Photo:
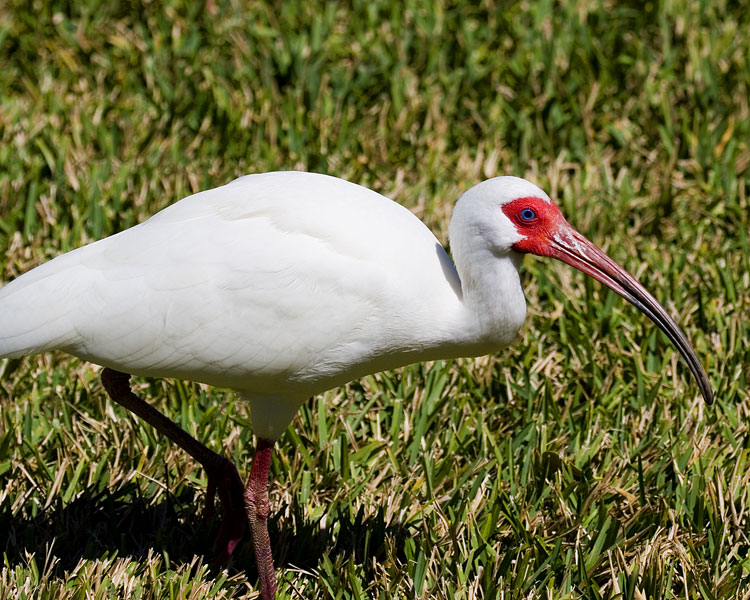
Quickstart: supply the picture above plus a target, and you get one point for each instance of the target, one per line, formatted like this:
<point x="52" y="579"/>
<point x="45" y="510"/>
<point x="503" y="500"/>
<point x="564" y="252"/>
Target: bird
<point x="283" y="285"/>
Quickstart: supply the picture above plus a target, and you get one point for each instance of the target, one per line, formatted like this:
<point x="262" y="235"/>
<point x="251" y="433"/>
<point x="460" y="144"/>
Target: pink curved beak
<point x="568" y="245"/>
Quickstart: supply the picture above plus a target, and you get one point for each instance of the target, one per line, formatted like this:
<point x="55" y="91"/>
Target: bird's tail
<point x="36" y="310"/>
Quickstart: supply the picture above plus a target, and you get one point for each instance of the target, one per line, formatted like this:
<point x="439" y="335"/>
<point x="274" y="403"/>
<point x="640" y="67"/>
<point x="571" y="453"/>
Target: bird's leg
<point x="222" y="474"/>
<point x="257" y="507"/>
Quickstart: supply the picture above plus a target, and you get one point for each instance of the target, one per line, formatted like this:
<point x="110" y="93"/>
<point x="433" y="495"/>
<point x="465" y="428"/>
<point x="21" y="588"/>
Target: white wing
<point x="271" y="283"/>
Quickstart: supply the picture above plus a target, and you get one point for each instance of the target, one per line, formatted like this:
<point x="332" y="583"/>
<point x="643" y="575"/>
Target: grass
<point x="580" y="463"/>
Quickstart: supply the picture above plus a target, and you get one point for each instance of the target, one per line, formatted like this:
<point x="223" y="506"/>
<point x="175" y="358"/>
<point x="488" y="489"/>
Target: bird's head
<point x="526" y="221"/>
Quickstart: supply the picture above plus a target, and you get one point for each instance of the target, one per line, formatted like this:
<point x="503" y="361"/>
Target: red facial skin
<point x="539" y="231"/>
<point x="549" y="234"/>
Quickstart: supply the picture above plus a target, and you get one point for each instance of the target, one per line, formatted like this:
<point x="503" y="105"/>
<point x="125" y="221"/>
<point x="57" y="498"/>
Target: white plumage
<point x="278" y="285"/>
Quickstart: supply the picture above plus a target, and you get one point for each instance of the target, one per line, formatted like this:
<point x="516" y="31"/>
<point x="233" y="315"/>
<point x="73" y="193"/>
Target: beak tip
<point x="708" y="396"/>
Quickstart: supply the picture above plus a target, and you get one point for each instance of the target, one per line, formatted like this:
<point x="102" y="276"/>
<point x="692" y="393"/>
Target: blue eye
<point x="528" y="214"/>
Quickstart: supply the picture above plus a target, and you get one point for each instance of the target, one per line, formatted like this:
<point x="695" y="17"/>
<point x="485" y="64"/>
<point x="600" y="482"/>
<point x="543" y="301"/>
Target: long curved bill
<point x="574" y="249"/>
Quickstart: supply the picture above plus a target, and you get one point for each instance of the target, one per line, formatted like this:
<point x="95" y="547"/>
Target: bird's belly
<point x="298" y="365"/>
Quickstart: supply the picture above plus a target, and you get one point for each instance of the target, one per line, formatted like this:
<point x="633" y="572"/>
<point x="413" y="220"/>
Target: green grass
<point x="580" y="463"/>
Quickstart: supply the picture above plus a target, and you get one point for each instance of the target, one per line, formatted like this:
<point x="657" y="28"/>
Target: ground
<point x="579" y="463"/>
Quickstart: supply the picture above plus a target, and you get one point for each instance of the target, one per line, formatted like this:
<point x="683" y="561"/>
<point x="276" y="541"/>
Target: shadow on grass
<point x="106" y="522"/>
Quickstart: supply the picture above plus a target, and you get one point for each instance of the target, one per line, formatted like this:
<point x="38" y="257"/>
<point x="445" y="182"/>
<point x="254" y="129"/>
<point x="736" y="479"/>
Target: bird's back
<point x="280" y="279"/>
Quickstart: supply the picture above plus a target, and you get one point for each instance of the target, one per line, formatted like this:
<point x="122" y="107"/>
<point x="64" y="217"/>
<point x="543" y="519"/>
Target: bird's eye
<point x="528" y="214"/>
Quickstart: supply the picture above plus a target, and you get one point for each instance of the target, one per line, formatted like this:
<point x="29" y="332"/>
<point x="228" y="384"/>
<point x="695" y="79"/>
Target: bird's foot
<point x="224" y="479"/>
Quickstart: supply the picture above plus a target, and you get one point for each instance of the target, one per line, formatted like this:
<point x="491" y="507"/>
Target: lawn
<point x="578" y="463"/>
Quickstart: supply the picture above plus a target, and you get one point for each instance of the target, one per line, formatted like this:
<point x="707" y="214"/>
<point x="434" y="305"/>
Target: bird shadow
<point x="98" y="522"/>
<point x="122" y="522"/>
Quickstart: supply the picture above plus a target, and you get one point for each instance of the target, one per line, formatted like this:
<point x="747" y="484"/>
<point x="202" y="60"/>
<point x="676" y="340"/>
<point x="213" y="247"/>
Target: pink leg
<point x="222" y="474"/>
<point x="257" y="506"/>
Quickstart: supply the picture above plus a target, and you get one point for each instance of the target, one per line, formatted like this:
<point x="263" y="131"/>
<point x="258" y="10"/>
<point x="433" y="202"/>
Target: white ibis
<point x="283" y="285"/>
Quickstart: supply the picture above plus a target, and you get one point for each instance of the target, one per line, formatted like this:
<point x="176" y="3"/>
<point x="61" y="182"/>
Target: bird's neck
<point x="492" y="295"/>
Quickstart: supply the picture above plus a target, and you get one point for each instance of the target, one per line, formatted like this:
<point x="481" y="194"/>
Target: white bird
<point x="283" y="285"/>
